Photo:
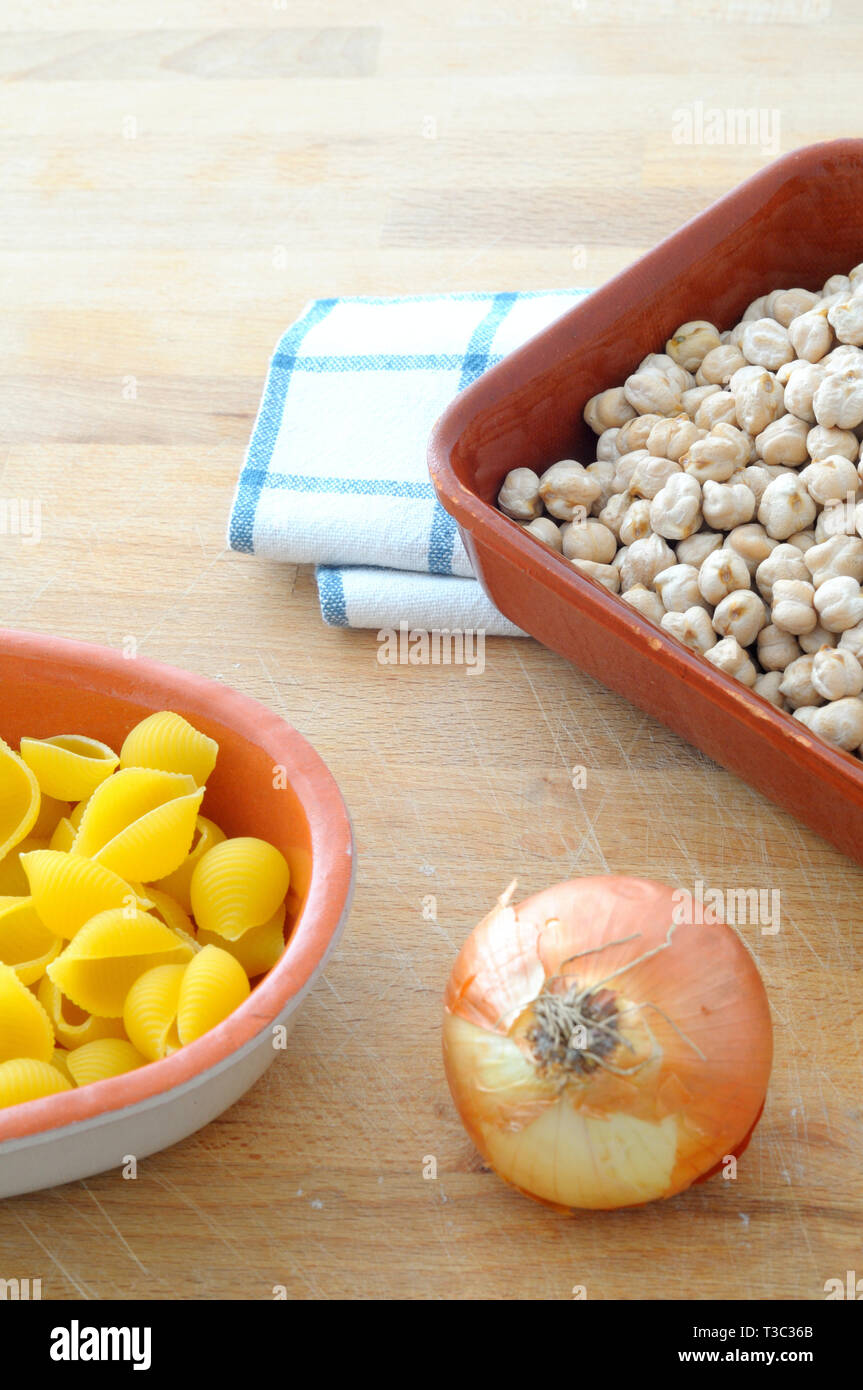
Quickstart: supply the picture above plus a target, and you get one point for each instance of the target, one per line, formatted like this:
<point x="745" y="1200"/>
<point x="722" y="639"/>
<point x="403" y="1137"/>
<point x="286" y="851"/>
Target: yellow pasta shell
<point x="238" y="884"/>
<point x="68" y="891"/>
<point x="63" y="837"/>
<point x="150" y="1011"/>
<point x="105" y="958"/>
<point x="25" y="1078"/>
<point x="167" y="741"/>
<point x="76" y="814"/>
<point x="213" y="985"/>
<point x="19" y="799"/>
<point x="25" y="942"/>
<point x="257" y="949"/>
<point x="25" y="1029"/>
<point x="68" y="766"/>
<point x="140" y="823"/>
<point x="179" y="883"/>
<point x="96" y="1061"/>
<point x="73" y="1026"/>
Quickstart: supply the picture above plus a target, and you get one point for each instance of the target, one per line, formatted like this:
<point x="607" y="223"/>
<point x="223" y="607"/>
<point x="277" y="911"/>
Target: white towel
<point x="336" y="473"/>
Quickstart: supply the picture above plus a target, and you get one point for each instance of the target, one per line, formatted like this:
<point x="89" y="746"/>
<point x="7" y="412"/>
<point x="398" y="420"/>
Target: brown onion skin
<point x="726" y="1003"/>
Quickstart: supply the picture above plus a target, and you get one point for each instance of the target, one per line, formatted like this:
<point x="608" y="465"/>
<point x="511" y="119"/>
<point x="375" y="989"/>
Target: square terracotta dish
<point x="51" y="686"/>
<point x="795" y="223"/>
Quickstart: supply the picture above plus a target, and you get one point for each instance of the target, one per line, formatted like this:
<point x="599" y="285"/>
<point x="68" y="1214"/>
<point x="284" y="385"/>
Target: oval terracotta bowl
<point x="51" y="686"/>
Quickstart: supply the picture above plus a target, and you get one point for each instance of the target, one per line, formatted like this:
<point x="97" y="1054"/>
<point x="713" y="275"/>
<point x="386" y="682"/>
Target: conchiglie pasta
<point x="105" y="958"/>
<point x="26" y="1078"/>
<point x="168" y="742"/>
<point x="25" y="1029"/>
<point x="73" y="1027"/>
<point x="140" y="823"/>
<point x="150" y="1011"/>
<point x="68" y="766"/>
<point x="97" y="1061"/>
<point x="213" y="985"/>
<point x="68" y="891"/>
<point x="257" y="949"/>
<point x="19" y="799"/>
<point x="237" y="885"/>
<point x="25" y="942"/>
<point x="129" y="924"/>
<point x="179" y="883"/>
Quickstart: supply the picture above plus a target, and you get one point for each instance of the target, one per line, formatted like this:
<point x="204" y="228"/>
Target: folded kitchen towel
<point x="336" y="475"/>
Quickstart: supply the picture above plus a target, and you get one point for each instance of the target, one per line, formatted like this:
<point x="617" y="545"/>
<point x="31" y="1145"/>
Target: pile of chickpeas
<point x="725" y="502"/>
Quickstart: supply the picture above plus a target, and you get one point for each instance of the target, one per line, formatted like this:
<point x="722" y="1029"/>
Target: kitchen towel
<point x="336" y="475"/>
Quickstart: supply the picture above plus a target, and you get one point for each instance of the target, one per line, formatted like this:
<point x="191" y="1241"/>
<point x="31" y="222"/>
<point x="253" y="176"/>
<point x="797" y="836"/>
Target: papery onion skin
<point x="598" y="1139"/>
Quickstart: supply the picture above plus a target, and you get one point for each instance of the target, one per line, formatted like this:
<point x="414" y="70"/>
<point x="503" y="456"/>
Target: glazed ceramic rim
<point x="316" y="930"/>
<point x="507" y="539"/>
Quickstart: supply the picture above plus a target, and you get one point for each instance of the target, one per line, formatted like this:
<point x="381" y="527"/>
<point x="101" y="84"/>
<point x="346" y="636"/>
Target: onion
<point x="601" y="1053"/>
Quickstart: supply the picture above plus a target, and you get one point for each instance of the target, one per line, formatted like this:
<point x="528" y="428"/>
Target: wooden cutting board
<point x="177" y="182"/>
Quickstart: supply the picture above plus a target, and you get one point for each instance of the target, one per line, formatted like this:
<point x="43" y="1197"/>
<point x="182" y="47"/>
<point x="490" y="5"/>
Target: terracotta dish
<point x="50" y="686"/>
<point x="794" y="224"/>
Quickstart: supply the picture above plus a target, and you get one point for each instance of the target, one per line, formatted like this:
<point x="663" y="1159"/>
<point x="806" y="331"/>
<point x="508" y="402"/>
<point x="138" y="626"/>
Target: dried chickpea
<point x="784" y="562"/>
<point x="846" y="319"/>
<point x="718" y="408"/>
<point x="603" y="470"/>
<point x="837" y="284"/>
<point x="765" y="343"/>
<point x="729" y="656"/>
<point x="719" y="365"/>
<point x="519" y="495"/>
<point x="670" y="438"/>
<point x="767" y="686"/>
<point x="692" y="400"/>
<point x="752" y="543"/>
<point x="836" y="673"/>
<point x="694" y="550"/>
<point x="785" y="507"/>
<point x="635" y="433"/>
<point x="776" y="649"/>
<point x="567" y="486"/>
<point x="608" y="409"/>
<point x="796" y="684"/>
<point x="804" y="540"/>
<point x="756" y="310"/>
<point x="803" y="382"/>
<point x="650" y="392"/>
<point x="793" y="607"/>
<point x="722" y="573"/>
<point x="650" y="475"/>
<point x="840" y="722"/>
<point x="647" y="603"/>
<point x="644" y="560"/>
<point x="726" y="505"/>
<point x="852" y="640"/>
<point x="546" y="531"/>
<point x="606" y="446"/>
<point x="756" y="478"/>
<point x="784" y="442"/>
<point x="720" y="453"/>
<point x="838" y="400"/>
<point x="606" y="575"/>
<point x="693" y="628"/>
<point x="667" y="367"/>
<point x="811" y="335"/>
<point x="691" y="343"/>
<point x="675" y="511"/>
<point x="614" y="511"/>
<point x="822" y="442"/>
<point x="677" y="586"/>
<point x="588" y="540"/>
<point x="816" y="639"/>
<point x="787" y="305"/>
<point x="740" y="614"/>
<point x="836" y="556"/>
<point x="839" y="603"/>
<point x="759" y="398"/>
<point x="636" y="524"/>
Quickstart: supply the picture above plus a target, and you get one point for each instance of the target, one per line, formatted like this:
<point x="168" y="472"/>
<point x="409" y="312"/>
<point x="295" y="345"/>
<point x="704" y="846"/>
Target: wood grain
<point x="177" y="182"/>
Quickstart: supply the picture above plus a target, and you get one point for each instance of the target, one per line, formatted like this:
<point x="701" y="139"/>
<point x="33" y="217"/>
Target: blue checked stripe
<point x="253" y="476"/>
<point x="331" y="592"/>
<point x="476" y="360"/>
<point x="356" y="487"/>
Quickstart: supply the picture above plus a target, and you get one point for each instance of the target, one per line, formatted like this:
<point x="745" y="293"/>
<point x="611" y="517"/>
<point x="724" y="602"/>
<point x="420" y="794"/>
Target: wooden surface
<point x="178" y="179"/>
